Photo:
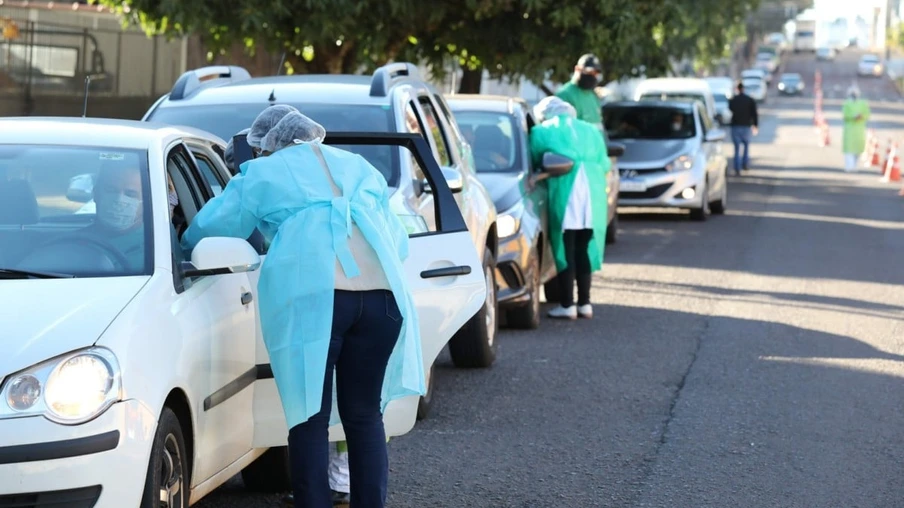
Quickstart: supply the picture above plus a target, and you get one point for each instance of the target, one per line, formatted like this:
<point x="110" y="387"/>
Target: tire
<point x="167" y="482"/>
<point x="612" y="230"/>
<point x="718" y="206"/>
<point x="702" y="213"/>
<point x="474" y="346"/>
<point x="270" y="472"/>
<point x="425" y="403"/>
<point x="527" y="317"/>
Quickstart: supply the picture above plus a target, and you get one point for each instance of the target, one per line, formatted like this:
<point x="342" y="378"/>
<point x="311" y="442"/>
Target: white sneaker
<point x="564" y="312"/>
<point x="585" y="311"/>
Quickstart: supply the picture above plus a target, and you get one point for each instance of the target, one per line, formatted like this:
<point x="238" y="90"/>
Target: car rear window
<point x="227" y="119"/>
<point x="648" y="122"/>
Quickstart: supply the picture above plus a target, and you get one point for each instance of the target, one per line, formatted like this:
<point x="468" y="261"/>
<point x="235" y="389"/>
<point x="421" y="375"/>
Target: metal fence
<point x="46" y="51"/>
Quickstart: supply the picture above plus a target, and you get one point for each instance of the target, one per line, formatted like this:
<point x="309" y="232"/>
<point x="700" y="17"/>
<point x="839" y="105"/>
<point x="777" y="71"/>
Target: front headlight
<point x="781" y="86"/>
<point x="509" y="222"/>
<point x="683" y="163"/>
<point x="71" y="389"/>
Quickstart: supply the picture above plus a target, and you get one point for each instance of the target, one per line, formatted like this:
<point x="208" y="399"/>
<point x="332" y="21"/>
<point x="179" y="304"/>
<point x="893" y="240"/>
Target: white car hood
<point x="55" y="316"/>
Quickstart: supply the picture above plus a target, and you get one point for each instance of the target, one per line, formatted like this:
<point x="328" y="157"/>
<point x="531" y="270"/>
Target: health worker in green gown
<point x="855" y="113"/>
<point x="578" y="208"/>
<point x="579" y="92"/>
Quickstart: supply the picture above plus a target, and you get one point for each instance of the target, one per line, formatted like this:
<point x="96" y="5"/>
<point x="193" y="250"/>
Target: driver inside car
<point x="119" y="218"/>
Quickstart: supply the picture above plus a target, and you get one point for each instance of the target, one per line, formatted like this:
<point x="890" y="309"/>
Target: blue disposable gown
<point x="289" y="193"/>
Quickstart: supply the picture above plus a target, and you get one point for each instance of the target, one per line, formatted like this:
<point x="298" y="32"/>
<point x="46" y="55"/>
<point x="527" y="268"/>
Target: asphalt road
<point x="754" y="360"/>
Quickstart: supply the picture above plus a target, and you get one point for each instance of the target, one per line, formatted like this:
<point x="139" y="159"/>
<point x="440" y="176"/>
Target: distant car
<point x="768" y="61"/>
<point x="825" y="53"/>
<point x="722" y="88"/>
<point x="791" y="84"/>
<point x="869" y="65"/>
<point x="673" y="156"/>
<point x="755" y="88"/>
<point x="756" y="72"/>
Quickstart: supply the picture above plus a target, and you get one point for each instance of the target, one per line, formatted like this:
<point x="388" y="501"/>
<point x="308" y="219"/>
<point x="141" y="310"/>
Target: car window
<point x="455" y="136"/>
<point x="435" y="130"/>
<point x="413" y="126"/>
<point x="226" y="120"/>
<point x="648" y="122"/>
<point x="208" y="169"/>
<point x="493" y="139"/>
<point x="50" y="222"/>
<point x="705" y="120"/>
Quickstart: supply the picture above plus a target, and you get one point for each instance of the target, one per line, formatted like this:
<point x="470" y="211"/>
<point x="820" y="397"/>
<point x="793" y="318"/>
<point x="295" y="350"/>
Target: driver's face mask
<point x="118" y="211"/>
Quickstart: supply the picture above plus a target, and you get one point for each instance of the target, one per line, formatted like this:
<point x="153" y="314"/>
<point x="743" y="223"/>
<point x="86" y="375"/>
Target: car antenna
<point x="87" y="88"/>
<point x="282" y="64"/>
<point x="272" y="97"/>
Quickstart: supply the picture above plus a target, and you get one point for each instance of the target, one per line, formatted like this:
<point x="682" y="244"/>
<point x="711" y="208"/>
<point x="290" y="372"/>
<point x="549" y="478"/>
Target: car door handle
<point x="449" y="271"/>
<point x="247" y="297"/>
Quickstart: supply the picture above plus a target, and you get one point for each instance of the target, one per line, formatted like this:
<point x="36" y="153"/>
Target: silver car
<point x="673" y="156"/>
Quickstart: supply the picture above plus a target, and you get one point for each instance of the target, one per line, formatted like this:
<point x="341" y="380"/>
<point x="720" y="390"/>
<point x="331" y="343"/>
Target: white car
<point x="825" y="53"/>
<point x="869" y="65"/>
<point x="755" y="88"/>
<point x="130" y="376"/>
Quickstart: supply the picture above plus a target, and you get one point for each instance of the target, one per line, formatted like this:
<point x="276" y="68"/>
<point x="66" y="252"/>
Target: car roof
<point x="655" y="104"/>
<point x="106" y="132"/>
<point x="673" y="84"/>
<point x="477" y="102"/>
<point x="219" y="85"/>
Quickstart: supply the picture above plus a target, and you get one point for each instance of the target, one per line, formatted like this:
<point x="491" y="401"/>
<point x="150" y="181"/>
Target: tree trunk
<point x="470" y="80"/>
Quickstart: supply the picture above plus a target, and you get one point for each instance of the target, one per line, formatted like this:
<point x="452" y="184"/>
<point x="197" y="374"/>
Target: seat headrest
<point x="18" y="204"/>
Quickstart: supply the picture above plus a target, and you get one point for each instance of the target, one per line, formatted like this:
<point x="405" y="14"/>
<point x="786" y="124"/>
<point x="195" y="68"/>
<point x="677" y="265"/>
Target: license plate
<point x="631" y="186"/>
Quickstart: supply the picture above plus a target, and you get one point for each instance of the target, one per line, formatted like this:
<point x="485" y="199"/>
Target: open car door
<point x="444" y="274"/>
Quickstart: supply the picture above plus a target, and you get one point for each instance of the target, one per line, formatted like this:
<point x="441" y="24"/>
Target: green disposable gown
<point x="854" y="133"/>
<point x="584" y="144"/>
<point x="585" y="102"/>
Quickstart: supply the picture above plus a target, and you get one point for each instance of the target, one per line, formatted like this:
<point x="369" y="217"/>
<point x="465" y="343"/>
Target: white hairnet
<point x="553" y="106"/>
<point x="266" y="121"/>
<point x="294" y="128"/>
<point x="229" y="154"/>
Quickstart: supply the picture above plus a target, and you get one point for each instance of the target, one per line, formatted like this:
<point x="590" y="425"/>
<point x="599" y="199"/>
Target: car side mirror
<point x="454" y="179"/>
<point x="81" y="188"/>
<point x="221" y="256"/>
<point x="615" y="149"/>
<point x="715" y="135"/>
<point x="556" y="165"/>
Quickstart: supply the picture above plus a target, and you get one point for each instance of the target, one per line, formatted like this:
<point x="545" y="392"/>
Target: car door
<point x="538" y="192"/>
<point x="216" y="315"/>
<point x="444" y="275"/>
<point x="422" y="201"/>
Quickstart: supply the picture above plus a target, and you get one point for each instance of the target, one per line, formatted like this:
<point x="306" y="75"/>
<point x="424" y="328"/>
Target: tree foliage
<point x="536" y="39"/>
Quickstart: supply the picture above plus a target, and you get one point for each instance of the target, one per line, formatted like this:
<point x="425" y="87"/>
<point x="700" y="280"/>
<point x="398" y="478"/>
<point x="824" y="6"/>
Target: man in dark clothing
<point x="744" y="123"/>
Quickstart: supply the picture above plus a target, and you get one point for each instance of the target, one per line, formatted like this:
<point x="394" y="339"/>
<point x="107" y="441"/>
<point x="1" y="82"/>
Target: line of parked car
<point x="152" y="365"/>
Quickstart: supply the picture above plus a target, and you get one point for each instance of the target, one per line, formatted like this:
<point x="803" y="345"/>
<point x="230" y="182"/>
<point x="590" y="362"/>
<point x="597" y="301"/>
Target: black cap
<point x="590" y="61"/>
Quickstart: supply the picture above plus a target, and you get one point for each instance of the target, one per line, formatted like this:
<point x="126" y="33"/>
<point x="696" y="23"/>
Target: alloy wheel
<point x="490" y="304"/>
<point x="171" y="475"/>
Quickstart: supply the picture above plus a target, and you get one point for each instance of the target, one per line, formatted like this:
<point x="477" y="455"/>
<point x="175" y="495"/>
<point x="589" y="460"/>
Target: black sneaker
<point x="341" y="498"/>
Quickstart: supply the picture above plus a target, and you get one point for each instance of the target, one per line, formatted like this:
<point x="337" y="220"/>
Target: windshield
<point x="869" y="59"/>
<point x="648" y="122"/>
<point x="752" y="85"/>
<point x="493" y="140"/>
<point x="226" y="120"/>
<point x="790" y="78"/>
<point x="49" y="221"/>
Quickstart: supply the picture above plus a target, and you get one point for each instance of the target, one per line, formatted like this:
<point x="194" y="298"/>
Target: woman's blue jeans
<point x="366" y="326"/>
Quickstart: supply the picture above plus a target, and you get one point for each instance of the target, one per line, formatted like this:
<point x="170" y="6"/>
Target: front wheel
<point x="527" y="317"/>
<point x="167" y="482"/>
<point x="718" y="206"/>
<point x="474" y="346"/>
<point x="702" y="213"/>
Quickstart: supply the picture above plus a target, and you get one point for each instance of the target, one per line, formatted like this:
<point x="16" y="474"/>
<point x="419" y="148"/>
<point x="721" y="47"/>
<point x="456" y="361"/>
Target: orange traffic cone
<point x="892" y="170"/>
<point x="874" y="160"/>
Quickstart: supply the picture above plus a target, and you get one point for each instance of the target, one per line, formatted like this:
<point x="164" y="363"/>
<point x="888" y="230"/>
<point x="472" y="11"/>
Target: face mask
<point x="119" y="212"/>
<point x="173" y="199"/>
<point x="587" y="81"/>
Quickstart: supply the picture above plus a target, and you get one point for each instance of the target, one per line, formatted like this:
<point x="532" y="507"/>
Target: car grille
<point x="630" y="173"/>
<point x="74" y="498"/>
<point x="651" y="193"/>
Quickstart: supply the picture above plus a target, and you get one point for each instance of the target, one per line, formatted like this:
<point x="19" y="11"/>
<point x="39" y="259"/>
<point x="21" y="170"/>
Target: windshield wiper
<point x="10" y="273"/>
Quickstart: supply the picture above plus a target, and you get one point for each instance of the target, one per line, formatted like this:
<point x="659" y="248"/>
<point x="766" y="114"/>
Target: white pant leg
<point x="338" y="470"/>
<point x="850" y="162"/>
